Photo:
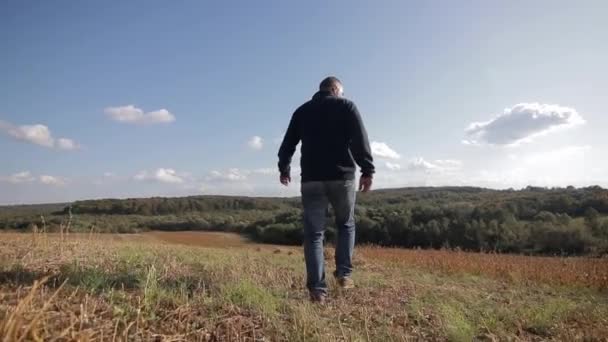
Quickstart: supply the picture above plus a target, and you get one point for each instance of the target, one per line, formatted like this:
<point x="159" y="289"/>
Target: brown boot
<point x="346" y="283"/>
<point x="318" y="297"/>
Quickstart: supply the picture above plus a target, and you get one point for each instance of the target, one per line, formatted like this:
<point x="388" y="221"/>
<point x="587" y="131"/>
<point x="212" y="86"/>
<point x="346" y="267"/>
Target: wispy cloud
<point x="242" y="174"/>
<point x="38" y="135"/>
<point x="266" y="171"/>
<point x="27" y="177"/>
<point x="420" y="164"/>
<point x="256" y="143"/>
<point x="393" y="166"/>
<point x="52" y="180"/>
<point x="161" y="175"/>
<point x="134" y="115"/>
<point x="230" y="175"/>
<point x="448" y="164"/>
<point x="521" y="123"/>
<point x="439" y="165"/>
<point x="20" y="177"/>
<point x="66" y="144"/>
<point x="382" y="150"/>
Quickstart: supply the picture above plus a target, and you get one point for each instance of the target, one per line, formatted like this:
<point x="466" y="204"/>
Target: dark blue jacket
<point x="333" y="140"/>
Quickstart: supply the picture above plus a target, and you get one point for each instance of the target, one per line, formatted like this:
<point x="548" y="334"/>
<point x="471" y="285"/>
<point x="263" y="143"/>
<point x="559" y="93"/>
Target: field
<point x="175" y="286"/>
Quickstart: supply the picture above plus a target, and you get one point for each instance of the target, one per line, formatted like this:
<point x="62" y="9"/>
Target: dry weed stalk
<point x="64" y="230"/>
<point x="91" y="232"/>
<point x="43" y="223"/>
<point x="13" y="327"/>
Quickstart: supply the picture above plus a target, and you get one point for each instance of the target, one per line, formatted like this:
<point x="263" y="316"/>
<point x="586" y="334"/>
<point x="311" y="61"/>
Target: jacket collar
<point x="321" y="94"/>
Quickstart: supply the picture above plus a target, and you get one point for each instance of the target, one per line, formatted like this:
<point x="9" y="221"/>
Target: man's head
<point x="333" y="85"/>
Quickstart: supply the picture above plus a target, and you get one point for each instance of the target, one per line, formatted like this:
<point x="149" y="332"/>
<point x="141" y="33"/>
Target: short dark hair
<point x="329" y="82"/>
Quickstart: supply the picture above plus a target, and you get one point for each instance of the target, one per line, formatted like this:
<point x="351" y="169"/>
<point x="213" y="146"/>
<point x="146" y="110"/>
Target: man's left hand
<point x="285" y="180"/>
<point x="365" y="183"/>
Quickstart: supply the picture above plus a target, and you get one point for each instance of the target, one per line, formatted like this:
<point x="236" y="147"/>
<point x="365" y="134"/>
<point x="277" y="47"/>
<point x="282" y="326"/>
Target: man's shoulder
<point x="348" y="106"/>
<point x="302" y="108"/>
<point x="330" y="101"/>
<point x="341" y="102"/>
<point x="347" y="102"/>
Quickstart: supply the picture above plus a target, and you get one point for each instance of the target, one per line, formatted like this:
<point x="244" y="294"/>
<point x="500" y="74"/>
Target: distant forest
<point x="557" y="221"/>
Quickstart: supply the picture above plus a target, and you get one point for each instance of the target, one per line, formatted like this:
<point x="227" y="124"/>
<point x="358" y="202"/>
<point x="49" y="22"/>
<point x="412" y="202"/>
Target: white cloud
<point x="142" y="175"/>
<point x="132" y="114"/>
<point x="382" y="150"/>
<point x="420" y="164"/>
<point x="51" y="180"/>
<point x="256" y="143"/>
<point x="521" y="123"/>
<point x="231" y="175"/>
<point x="37" y="134"/>
<point x="167" y="176"/>
<point x="393" y="166"/>
<point x="160" y="175"/>
<point x="20" y="177"/>
<point x="28" y="177"/>
<point x="448" y="164"/>
<point x="66" y="144"/>
<point x="439" y="165"/>
<point x="266" y="171"/>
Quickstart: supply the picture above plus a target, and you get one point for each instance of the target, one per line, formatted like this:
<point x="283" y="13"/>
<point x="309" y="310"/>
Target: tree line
<point x="566" y="221"/>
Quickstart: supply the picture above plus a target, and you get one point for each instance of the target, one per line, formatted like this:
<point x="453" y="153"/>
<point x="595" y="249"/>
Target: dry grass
<point x="570" y="271"/>
<point x="208" y="239"/>
<point x="144" y="287"/>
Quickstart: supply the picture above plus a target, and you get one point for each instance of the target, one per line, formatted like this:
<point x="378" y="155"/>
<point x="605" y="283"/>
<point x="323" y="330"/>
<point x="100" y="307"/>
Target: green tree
<point x="397" y="225"/>
<point x="592" y="219"/>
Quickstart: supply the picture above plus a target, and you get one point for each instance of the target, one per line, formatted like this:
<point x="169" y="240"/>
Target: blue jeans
<point x="315" y="198"/>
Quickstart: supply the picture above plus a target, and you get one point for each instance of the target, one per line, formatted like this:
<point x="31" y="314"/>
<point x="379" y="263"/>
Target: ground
<point x="174" y="286"/>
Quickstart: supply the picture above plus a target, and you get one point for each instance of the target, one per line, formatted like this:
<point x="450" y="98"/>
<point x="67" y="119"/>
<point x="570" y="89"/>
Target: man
<point x="333" y="140"/>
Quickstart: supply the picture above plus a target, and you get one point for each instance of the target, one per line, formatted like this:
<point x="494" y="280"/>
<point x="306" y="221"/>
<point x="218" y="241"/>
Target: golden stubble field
<point x="176" y="286"/>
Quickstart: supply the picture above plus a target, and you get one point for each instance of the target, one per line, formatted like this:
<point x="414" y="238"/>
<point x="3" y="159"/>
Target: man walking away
<point x="333" y="140"/>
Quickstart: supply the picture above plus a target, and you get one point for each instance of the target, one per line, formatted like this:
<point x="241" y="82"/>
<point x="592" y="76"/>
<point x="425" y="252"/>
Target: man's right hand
<point x="365" y="183"/>
<point x="285" y="180"/>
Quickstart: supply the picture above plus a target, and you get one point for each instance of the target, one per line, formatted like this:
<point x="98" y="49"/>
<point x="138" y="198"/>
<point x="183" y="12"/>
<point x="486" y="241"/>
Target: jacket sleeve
<point x="288" y="147"/>
<point x="359" y="145"/>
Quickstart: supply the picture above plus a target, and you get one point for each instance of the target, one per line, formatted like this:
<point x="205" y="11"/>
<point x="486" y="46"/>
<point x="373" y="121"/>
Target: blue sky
<point x="145" y="98"/>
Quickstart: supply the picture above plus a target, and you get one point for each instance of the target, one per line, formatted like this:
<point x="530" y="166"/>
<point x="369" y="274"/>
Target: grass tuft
<point x="248" y="295"/>
<point x="456" y="324"/>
